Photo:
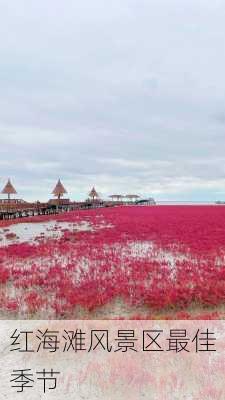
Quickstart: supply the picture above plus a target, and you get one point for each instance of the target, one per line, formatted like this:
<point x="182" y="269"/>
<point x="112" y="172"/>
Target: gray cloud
<point x="127" y="97"/>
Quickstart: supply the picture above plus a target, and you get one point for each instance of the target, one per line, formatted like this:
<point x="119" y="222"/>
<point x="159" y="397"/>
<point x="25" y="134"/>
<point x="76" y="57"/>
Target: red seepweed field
<point x="164" y="262"/>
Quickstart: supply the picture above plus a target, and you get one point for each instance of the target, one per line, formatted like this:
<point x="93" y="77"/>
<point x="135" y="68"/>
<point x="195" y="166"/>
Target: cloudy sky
<point x="127" y="95"/>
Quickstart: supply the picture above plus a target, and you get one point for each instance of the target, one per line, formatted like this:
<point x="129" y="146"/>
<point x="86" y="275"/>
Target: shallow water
<point x="31" y="231"/>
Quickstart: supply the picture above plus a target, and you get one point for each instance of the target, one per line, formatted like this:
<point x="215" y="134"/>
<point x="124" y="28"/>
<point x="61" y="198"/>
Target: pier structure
<point x="11" y="208"/>
<point x="131" y="197"/>
<point x="116" y="197"/>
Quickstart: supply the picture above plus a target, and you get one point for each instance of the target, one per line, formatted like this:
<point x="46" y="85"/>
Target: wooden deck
<point x="11" y="211"/>
<point x="19" y="210"/>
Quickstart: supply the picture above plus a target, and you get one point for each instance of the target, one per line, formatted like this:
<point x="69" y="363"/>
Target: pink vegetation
<point x="168" y="259"/>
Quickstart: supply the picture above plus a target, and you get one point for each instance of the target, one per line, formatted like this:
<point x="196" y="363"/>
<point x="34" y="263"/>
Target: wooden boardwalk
<point x="25" y="210"/>
<point x="11" y="211"/>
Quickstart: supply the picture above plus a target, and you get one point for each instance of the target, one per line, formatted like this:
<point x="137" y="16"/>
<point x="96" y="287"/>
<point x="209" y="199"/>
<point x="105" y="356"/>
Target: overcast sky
<point x="126" y="95"/>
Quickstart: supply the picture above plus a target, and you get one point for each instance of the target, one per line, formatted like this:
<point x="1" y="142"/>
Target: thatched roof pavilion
<point x="9" y="189"/>
<point x="93" y="194"/>
<point x="132" y="196"/>
<point x="117" y="197"/>
<point x="59" y="190"/>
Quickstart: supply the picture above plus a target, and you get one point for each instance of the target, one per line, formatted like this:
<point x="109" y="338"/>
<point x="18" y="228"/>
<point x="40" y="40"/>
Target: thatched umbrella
<point x="59" y="190"/>
<point x="9" y="189"/>
<point x="93" y="194"/>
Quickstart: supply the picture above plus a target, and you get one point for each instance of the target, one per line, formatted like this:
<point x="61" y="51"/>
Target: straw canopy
<point x="9" y="188"/>
<point x="93" y="194"/>
<point x="59" y="189"/>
